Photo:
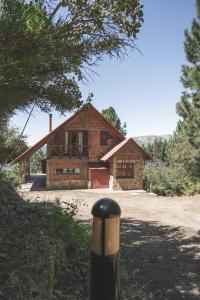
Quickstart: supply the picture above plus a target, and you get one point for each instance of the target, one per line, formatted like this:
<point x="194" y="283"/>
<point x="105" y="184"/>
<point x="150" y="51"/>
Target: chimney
<point x="50" y="122"/>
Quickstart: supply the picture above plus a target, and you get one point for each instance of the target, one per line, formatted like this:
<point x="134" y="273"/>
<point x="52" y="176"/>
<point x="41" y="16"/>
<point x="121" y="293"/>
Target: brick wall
<point x="127" y="155"/>
<point x="94" y="144"/>
<point x="66" y="181"/>
<point x="85" y="121"/>
<point x="130" y="183"/>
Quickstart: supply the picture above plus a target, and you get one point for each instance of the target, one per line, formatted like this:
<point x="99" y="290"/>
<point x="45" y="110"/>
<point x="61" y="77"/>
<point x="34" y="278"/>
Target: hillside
<point x="149" y="139"/>
<point x="44" y="250"/>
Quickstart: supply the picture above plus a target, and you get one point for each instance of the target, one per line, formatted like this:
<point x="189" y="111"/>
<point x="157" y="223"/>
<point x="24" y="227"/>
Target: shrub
<point x="44" y="252"/>
<point x="172" y="180"/>
<point x="15" y="175"/>
<point x="193" y="188"/>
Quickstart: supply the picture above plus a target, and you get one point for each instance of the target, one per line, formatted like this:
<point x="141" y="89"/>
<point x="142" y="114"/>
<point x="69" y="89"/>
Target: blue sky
<point x="143" y="88"/>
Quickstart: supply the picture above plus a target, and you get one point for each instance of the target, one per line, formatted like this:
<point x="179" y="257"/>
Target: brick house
<point x="86" y="151"/>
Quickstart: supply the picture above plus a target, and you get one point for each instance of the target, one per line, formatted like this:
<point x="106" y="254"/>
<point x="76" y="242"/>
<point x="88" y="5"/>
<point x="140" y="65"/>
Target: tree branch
<point x="56" y="9"/>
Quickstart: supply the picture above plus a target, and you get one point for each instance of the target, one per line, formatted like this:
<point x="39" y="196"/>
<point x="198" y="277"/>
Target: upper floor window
<point x="104" y="137"/>
<point x="125" y="170"/>
<point x="76" y="138"/>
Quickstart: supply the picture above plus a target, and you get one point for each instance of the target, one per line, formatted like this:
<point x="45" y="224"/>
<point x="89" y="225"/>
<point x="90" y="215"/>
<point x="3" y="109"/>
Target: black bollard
<point x="105" y="276"/>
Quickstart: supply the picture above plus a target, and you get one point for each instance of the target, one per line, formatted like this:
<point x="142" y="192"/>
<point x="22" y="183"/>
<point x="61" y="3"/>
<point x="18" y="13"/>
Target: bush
<point x="193" y="188"/>
<point x="44" y="251"/>
<point x="172" y="180"/>
<point x="2" y="176"/>
<point x="15" y="175"/>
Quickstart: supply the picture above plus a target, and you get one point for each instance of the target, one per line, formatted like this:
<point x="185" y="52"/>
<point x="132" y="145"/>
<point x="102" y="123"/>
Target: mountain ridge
<point x="149" y="139"/>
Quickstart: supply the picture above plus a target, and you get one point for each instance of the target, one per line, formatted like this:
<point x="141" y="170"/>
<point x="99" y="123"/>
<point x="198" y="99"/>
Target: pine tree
<point x="189" y="106"/>
<point x="158" y="150"/>
<point x="111" y="115"/>
<point x="48" y="46"/>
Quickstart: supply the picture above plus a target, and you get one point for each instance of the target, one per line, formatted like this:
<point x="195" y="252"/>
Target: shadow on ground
<point x="39" y="182"/>
<point x="160" y="261"/>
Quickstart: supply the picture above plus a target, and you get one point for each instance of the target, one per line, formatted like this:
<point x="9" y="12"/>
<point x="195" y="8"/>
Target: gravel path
<point x="138" y="205"/>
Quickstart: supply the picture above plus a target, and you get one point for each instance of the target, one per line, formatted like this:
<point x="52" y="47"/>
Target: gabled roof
<point x="114" y="150"/>
<point x="116" y="133"/>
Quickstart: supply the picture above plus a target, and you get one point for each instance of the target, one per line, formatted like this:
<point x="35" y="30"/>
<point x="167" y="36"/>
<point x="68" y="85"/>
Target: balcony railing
<point x="68" y="151"/>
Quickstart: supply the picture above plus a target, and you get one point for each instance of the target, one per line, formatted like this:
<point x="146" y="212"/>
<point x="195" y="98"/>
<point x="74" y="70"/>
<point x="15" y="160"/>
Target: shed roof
<point x="114" y="150"/>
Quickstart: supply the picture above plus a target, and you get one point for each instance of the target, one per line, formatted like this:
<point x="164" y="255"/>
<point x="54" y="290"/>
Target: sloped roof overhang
<point x="44" y="140"/>
<point x="114" y="150"/>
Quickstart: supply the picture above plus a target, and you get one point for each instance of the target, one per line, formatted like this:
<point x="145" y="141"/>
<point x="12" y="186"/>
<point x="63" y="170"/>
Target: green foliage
<point x="181" y="173"/>
<point x="178" y="173"/>
<point x="43" y="55"/>
<point x="158" y="150"/>
<point x="189" y="106"/>
<point x="14" y="177"/>
<point x="3" y="176"/>
<point x="111" y="115"/>
<point x="36" y="161"/>
<point x="44" y="251"/>
<point x="170" y="180"/>
<point x="193" y="188"/>
<point x="10" y="144"/>
<point x="166" y="180"/>
<point x="182" y="152"/>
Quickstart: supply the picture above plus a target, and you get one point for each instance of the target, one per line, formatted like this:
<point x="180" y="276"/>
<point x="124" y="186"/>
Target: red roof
<point x="43" y="141"/>
<point x="114" y="150"/>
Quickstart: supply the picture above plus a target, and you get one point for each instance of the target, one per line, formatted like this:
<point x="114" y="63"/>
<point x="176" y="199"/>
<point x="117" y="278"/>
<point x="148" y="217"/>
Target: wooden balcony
<point x="67" y="151"/>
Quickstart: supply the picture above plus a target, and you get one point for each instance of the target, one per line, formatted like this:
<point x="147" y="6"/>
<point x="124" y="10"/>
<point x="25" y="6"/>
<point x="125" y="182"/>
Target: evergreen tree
<point x="189" y="106"/>
<point x="182" y="153"/>
<point x="36" y="161"/>
<point x="158" y="150"/>
<point x="111" y="115"/>
<point x="11" y="144"/>
<point x="45" y="53"/>
<point x="181" y="173"/>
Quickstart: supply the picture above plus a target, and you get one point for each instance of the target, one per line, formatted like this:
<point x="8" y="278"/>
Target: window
<point x="68" y="171"/>
<point x="104" y="137"/>
<point x="125" y="170"/>
<point x="59" y="171"/>
<point x="76" y="142"/>
<point x="77" y="171"/>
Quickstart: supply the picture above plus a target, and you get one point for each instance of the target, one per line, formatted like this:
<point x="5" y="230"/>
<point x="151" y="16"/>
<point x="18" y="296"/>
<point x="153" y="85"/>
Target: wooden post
<point x="50" y="122"/>
<point x="105" y="276"/>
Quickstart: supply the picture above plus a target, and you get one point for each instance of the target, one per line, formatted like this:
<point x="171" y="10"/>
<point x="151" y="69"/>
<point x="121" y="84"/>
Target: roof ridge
<point x="108" y="123"/>
<point x="43" y="141"/>
<point x="115" y="149"/>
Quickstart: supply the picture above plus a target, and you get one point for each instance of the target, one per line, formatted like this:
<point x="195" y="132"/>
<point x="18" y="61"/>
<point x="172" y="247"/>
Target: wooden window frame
<point x="104" y="137"/>
<point x="125" y="170"/>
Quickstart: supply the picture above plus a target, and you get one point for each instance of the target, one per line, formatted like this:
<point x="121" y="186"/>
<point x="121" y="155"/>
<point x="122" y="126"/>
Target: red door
<point x="99" y="178"/>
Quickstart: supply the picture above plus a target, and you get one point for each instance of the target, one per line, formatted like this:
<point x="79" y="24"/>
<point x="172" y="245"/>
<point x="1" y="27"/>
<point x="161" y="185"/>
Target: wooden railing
<point x="67" y="150"/>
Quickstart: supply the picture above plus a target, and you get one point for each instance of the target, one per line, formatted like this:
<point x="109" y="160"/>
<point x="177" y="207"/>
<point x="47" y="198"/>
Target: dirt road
<point x="138" y="205"/>
<point x="160" y="238"/>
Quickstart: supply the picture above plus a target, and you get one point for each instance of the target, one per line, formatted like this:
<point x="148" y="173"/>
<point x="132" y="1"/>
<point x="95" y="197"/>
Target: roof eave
<point x="44" y="140"/>
<point x="145" y="155"/>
